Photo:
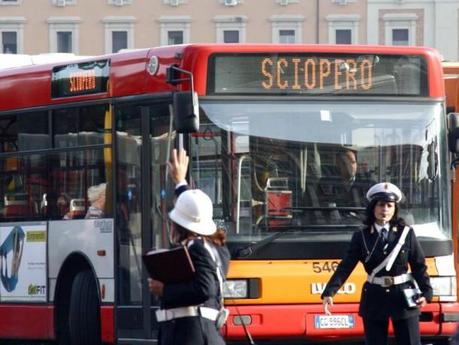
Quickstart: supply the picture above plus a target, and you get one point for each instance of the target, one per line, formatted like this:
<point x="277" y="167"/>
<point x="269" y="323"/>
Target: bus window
<point x="211" y="170"/>
<point x="74" y="171"/>
<point x="306" y="168"/>
<point x="128" y="211"/>
<point x="130" y="191"/>
<point x="23" y="187"/>
<point x="23" y="179"/>
<point x="162" y="187"/>
<point x="80" y="126"/>
<point x="16" y="205"/>
<point x="22" y="132"/>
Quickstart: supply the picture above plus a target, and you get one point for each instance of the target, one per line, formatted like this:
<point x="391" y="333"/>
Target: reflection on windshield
<point x="306" y="166"/>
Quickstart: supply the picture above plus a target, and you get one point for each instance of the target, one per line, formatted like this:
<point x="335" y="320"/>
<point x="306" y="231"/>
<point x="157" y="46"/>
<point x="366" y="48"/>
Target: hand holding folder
<point x="169" y="265"/>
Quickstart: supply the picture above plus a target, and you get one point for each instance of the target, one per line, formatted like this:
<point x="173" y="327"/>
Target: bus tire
<point x="84" y="311"/>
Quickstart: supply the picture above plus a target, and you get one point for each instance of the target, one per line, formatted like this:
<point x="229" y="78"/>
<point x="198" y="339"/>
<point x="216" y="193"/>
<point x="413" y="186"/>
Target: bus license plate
<point x="334" y="321"/>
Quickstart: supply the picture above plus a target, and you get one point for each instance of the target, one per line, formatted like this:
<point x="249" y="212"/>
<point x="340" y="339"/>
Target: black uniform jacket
<point x="379" y="302"/>
<point x="202" y="290"/>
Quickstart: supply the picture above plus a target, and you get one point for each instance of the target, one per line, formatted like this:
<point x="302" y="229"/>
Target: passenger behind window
<point x="96" y="197"/>
<point x="344" y="187"/>
<point x="49" y="205"/>
<point x="63" y="206"/>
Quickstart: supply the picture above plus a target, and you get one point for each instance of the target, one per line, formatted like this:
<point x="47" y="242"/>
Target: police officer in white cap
<point x="375" y="246"/>
<point x="192" y="312"/>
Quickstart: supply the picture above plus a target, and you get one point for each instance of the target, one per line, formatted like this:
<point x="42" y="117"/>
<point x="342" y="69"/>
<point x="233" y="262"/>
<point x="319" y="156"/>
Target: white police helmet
<point x="384" y="191"/>
<point x="193" y="210"/>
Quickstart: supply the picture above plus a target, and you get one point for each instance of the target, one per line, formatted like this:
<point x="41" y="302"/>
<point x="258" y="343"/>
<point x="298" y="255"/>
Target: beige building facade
<point x="432" y="23"/>
<point x="90" y="27"/>
<point x="93" y="27"/>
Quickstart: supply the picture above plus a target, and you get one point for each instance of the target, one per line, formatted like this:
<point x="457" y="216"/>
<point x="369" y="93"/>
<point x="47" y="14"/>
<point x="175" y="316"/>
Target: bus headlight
<point x="443" y="286"/>
<point x="235" y="288"/>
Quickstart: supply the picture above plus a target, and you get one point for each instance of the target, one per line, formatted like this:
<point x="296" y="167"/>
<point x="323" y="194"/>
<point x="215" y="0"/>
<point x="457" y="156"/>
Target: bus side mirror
<point x="186" y="111"/>
<point x="453" y="132"/>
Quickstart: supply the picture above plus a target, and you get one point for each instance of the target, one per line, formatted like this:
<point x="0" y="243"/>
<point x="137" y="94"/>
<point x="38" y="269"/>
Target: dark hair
<point x="218" y="238"/>
<point x="370" y="215"/>
<point x="344" y="150"/>
<point x="181" y="232"/>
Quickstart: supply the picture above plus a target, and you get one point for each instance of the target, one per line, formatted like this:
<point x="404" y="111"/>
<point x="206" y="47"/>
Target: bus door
<point x="142" y="143"/>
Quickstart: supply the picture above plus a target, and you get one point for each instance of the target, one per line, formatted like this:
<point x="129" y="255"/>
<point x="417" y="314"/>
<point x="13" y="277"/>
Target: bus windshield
<point x="305" y="166"/>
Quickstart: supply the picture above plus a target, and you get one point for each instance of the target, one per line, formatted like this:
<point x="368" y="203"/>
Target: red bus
<point x="451" y="79"/>
<point x="273" y="120"/>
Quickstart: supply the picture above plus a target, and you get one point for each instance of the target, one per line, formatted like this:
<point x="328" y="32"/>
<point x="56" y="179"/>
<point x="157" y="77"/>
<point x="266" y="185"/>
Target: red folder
<point x="169" y="265"/>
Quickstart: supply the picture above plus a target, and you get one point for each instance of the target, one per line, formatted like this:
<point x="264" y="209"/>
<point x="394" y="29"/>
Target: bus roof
<point x="20" y="60"/>
<point x="30" y="85"/>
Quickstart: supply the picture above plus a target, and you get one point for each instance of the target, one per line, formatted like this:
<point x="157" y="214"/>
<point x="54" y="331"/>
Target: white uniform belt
<point x="387" y="281"/>
<point x="175" y="313"/>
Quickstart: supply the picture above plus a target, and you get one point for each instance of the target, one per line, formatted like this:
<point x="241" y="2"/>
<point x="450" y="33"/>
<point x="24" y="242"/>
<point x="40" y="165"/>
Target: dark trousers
<point x="406" y="331"/>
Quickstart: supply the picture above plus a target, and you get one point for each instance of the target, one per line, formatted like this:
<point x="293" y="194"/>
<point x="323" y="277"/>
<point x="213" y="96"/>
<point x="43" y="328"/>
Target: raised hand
<point x="178" y="165"/>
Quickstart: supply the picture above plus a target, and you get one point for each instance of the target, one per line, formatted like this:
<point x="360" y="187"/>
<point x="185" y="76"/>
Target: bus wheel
<point x="84" y="311"/>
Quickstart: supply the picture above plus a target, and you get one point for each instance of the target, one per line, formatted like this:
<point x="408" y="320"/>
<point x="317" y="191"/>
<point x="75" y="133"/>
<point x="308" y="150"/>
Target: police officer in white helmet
<point x="192" y="312"/>
<point x="386" y="246"/>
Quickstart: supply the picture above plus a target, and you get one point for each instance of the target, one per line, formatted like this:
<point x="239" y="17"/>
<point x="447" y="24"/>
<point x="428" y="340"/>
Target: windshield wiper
<point x="326" y="208"/>
<point x="250" y="249"/>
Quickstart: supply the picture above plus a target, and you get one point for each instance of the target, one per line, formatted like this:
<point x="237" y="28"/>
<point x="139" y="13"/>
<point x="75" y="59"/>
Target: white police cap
<point x="193" y="210"/>
<point x="385" y="191"/>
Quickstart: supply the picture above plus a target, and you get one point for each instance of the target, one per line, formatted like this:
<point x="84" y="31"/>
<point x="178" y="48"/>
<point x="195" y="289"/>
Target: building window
<point x="400" y="28"/>
<point x="64" y="34"/>
<point x="400" y="37"/>
<point x="286" y="2"/>
<point x="174" y="37"/>
<point x="343" y="29"/>
<point x="287" y="36"/>
<point x="174" y="3"/>
<point x="343" y="36"/>
<point x="343" y="2"/>
<point x="119" y="40"/>
<point x="230" y="2"/>
<point x="10" y="2"/>
<point x="174" y="30"/>
<point x="64" y="41"/>
<point x="9" y="42"/>
<point x="230" y="29"/>
<point x="62" y="3"/>
<point x="119" y="2"/>
<point x="231" y="36"/>
<point x="287" y="28"/>
<point x="119" y="33"/>
<point x="11" y="35"/>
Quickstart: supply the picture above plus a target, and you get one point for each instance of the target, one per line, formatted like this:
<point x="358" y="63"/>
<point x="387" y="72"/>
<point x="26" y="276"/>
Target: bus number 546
<point x="324" y="266"/>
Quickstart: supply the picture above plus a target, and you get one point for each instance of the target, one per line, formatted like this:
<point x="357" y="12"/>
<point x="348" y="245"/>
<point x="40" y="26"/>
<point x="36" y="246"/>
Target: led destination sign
<point x="318" y="74"/>
<point x="310" y="74"/>
<point x="80" y="79"/>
